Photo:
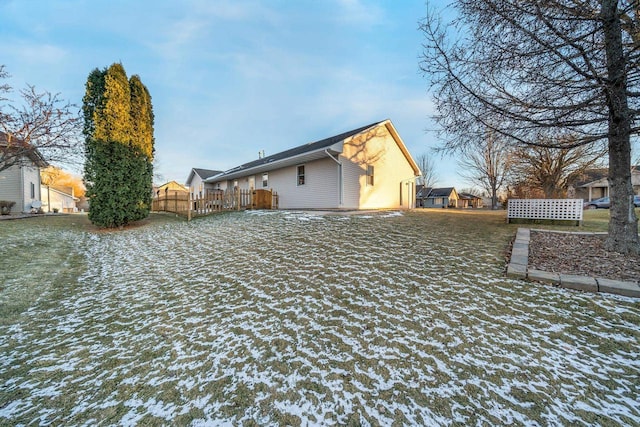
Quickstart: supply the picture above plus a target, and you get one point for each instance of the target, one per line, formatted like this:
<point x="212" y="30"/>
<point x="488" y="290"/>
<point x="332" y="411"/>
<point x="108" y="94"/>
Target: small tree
<point x="43" y="123"/>
<point x="427" y="166"/>
<point x="488" y="166"/>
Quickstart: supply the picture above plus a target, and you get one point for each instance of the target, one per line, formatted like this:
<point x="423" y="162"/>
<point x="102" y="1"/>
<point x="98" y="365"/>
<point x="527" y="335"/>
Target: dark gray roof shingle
<point x="423" y="192"/>
<point x="441" y="192"/>
<point x="206" y="173"/>
<point x="312" y="146"/>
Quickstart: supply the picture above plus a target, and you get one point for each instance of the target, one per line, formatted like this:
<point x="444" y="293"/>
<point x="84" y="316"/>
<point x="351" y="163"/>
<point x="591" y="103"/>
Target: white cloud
<point x="41" y="54"/>
<point x="203" y="25"/>
<point x="232" y="10"/>
<point x="359" y="12"/>
<point x="44" y="54"/>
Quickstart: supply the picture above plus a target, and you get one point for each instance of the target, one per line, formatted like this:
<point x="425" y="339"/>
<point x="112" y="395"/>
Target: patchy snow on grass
<point x="301" y="318"/>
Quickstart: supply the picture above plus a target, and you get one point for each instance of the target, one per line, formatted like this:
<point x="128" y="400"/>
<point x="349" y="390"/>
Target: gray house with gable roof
<point x="364" y="168"/>
<point x="196" y="182"/>
<point x="428" y="197"/>
<point x="20" y="179"/>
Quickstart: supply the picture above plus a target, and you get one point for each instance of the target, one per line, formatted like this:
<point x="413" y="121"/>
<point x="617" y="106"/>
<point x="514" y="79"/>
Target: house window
<point x="300" y="175"/>
<point x="33" y="190"/>
<point x="370" y="175"/>
<point x="235" y="184"/>
<point x="265" y="180"/>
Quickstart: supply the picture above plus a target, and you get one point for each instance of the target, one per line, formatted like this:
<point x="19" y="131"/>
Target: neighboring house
<point x="422" y="193"/>
<point x="599" y="187"/>
<point x="487" y="200"/>
<point x="61" y="199"/>
<point x="197" y="185"/>
<point x="365" y="168"/>
<point x="171" y="187"/>
<point x="20" y="183"/>
<point x="593" y="190"/>
<point x="440" y="198"/>
<point x="83" y="204"/>
<point x="468" y="200"/>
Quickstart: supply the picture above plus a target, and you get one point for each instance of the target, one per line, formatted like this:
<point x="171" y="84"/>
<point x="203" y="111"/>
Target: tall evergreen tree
<point x="142" y="116"/>
<point x="142" y="142"/>
<point x="118" y="146"/>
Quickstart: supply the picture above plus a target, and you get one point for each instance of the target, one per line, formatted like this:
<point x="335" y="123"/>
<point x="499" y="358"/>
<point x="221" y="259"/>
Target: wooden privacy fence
<point x="554" y="209"/>
<point x="218" y="201"/>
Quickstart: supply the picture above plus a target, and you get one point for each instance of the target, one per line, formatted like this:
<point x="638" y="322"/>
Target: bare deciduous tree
<point x="487" y="166"/>
<point x="543" y="69"/>
<point x="43" y="124"/>
<point x="552" y="170"/>
<point x="427" y="166"/>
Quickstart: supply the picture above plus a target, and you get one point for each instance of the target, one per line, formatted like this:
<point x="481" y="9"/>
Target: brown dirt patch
<point x="580" y="254"/>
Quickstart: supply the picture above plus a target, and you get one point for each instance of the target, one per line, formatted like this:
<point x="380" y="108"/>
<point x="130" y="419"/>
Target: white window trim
<point x="372" y="175"/>
<point x="298" y="175"/>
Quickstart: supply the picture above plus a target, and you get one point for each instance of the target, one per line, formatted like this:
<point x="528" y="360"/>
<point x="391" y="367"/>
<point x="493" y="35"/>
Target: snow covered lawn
<point x="284" y="318"/>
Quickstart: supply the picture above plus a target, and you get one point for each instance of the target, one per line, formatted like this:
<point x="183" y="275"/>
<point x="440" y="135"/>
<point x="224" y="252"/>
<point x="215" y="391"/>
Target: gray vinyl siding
<point x="244" y="184"/>
<point x="320" y="190"/>
<point x="10" y="187"/>
<point x="15" y="186"/>
<point x="353" y="180"/>
<point x="194" y="187"/>
<point x="31" y="176"/>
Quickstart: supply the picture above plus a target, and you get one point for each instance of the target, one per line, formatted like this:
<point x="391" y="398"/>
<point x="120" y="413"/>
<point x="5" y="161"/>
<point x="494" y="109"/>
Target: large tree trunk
<point x="494" y="198"/>
<point x="552" y="191"/>
<point x="623" y="224"/>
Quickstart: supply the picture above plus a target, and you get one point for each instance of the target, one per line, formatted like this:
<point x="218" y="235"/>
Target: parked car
<point x="604" y="203"/>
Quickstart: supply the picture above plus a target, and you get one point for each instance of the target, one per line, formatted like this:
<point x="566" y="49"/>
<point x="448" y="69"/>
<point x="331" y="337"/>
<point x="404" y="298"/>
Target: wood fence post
<point x="189" y="207"/>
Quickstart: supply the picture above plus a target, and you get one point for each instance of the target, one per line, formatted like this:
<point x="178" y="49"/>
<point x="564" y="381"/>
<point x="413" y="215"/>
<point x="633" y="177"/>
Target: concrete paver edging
<point x="519" y="268"/>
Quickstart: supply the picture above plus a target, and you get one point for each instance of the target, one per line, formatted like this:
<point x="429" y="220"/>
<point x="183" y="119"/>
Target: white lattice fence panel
<point x="562" y="209"/>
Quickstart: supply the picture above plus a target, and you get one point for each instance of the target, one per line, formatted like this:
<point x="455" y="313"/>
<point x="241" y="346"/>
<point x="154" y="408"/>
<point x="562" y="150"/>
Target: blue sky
<point x="230" y="78"/>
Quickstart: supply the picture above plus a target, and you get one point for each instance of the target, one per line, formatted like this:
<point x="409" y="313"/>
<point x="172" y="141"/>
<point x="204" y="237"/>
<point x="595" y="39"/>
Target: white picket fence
<point x="556" y="209"/>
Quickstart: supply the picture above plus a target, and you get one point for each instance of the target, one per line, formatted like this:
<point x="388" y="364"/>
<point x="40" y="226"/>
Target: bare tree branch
<point x="533" y="72"/>
<point x="427" y="165"/>
<point x="488" y="166"/>
<point x="43" y="127"/>
<point x="552" y="170"/>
